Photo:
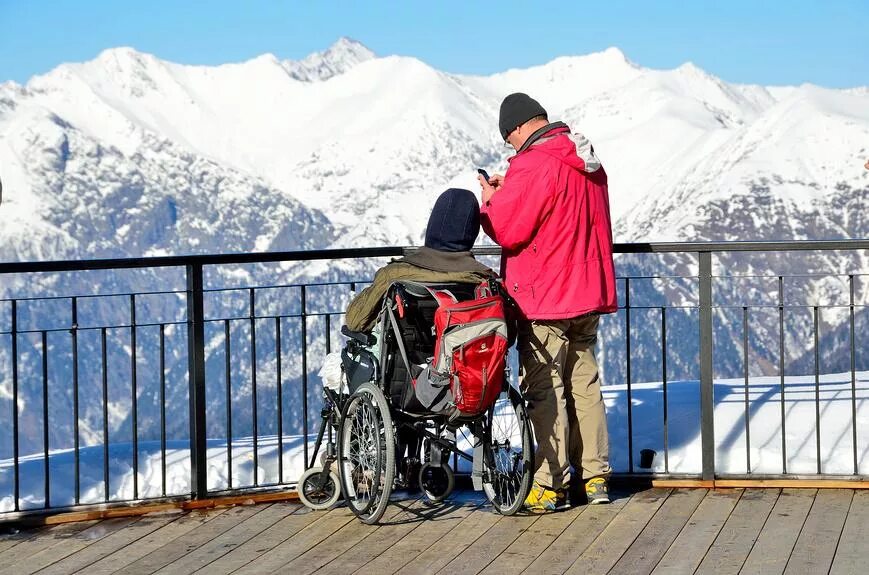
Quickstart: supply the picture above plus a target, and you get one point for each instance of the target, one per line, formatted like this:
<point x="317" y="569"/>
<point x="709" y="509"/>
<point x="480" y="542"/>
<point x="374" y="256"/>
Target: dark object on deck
<point x="647" y="456"/>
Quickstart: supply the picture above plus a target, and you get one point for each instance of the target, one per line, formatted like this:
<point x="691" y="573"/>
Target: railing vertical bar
<point x="75" y="406"/>
<point x="253" y="395"/>
<point x="817" y="391"/>
<point x="279" y="387"/>
<point x="664" y="386"/>
<point x="328" y="333"/>
<point x="304" y="328"/>
<point x="707" y="392"/>
<point x="853" y="374"/>
<point x="134" y="396"/>
<point x="781" y="368"/>
<point x="163" y="407"/>
<point x="15" y="455"/>
<point x="747" y="399"/>
<point x="227" y="354"/>
<point x="628" y="374"/>
<point x="196" y="380"/>
<point x="45" y="419"/>
<point x="105" y="382"/>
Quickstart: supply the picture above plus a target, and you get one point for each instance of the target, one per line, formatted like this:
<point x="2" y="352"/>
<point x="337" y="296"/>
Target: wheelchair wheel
<point x="366" y="453"/>
<point x="319" y="490"/>
<point x="436" y="481"/>
<point x="508" y="453"/>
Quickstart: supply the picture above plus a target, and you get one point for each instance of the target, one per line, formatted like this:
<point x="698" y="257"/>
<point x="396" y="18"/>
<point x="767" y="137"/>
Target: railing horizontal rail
<point x="356" y="253"/>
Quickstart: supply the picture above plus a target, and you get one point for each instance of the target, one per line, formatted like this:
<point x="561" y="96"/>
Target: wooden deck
<point x="649" y="531"/>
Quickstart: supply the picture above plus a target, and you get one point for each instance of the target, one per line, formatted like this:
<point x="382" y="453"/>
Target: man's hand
<point x="490" y="187"/>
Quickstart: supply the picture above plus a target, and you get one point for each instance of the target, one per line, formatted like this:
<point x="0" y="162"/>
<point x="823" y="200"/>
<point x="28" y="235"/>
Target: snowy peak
<point x="337" y="59"/>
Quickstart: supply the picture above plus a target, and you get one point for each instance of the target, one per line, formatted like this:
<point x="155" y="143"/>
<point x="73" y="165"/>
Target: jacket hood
<point x="556" y="140"/>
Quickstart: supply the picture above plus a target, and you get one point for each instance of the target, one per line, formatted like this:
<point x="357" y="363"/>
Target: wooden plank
<point x="153" y="541"/>
<point x="182" y="546"/>
<point x="434" y="524"/>
<point x="119" y="540"/>
<point x="740" y="531"/>
<point x="442" y="551"/>
<point x="325" y="524"/>
<point x="534" y="541"/>
<point x="66" y="547"/>
<point x="816" y="545"/>
<point x="851" y="554"/>
<point x="113" y="511"/>
<point x="773" y="548"/>
<point x="617" y="536"/>
<point x="247" y="499"/>
<point x="655" y="538"/>
<point x="689" y="548"/>
<point x="408" y="518"/>
<point x="44" y="538"/>
<point x="262" y="543"/>
<point x="337" y="543"/>
<point x="794" y="483"/>
<point x="570" y="544"/>
<point x="684" y="483"/>
<point x="490" y="544"/>
<point x="98" y="514"/>
<point x="230" y="539"/>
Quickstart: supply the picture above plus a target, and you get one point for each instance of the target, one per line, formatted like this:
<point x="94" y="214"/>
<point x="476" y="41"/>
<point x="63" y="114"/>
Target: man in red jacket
<point x="550" y="214"/>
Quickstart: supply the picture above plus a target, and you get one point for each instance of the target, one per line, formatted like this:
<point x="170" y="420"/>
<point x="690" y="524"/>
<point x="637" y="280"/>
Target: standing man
<point x="550" y="214"/>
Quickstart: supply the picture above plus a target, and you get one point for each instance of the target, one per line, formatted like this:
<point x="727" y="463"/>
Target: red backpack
<point x="471" y="347"/>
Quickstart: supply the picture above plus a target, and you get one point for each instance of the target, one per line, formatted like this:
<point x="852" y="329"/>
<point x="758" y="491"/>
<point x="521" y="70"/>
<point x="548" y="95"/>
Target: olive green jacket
<point x="425" y="265"/>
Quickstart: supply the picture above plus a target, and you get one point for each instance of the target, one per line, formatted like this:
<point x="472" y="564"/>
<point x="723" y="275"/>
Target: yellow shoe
<point x="542" y="499"/>
<point x="596" y="491"/>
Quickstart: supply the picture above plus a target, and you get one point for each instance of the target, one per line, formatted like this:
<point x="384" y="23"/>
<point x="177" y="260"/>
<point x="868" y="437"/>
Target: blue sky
<point x="766" y="42"/>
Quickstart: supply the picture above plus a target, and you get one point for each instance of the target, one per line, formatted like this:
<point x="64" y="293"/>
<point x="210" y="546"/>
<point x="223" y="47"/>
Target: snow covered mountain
<point x="130" y="155"/>
<point x="373" y="140"/>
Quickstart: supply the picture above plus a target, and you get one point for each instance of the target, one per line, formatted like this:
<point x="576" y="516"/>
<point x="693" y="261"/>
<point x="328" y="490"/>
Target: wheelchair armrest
<point x="362" y="337"/>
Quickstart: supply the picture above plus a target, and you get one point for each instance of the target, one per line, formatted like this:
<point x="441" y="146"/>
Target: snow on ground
<point x="646" y="406"/>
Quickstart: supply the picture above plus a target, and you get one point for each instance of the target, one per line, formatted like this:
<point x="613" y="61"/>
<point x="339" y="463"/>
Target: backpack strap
<point x="483" y="290"/>
<point x="442" y="296"/>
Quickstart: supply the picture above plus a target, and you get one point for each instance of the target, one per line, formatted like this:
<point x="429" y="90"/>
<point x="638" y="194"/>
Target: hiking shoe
<point x="541" y="499"/>
<point x="596" y="491"/>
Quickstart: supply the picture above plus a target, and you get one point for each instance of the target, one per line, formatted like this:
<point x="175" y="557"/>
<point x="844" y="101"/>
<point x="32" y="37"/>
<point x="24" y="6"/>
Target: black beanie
<point x="454" y="222"/>
<point x="516" y="109"/>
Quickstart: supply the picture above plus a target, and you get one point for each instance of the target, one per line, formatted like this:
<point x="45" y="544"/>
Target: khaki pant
<point x="560" y="381"/>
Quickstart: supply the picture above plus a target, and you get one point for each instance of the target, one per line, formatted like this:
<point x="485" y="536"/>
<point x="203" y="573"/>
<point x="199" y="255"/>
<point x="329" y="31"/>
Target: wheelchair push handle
<point x="362" y="337"/>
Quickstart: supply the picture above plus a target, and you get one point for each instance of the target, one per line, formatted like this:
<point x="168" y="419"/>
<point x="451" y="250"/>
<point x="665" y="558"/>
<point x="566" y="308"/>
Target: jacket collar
<point x="541" y="133"/>
<point x="439" y="261"/>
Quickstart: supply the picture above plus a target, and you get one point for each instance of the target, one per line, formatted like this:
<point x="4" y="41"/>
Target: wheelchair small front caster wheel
<point x="436" y="481"/>
<point x="319" y="490"/>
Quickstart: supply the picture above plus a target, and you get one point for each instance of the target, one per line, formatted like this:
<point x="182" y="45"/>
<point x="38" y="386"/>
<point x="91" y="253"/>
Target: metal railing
<point x="215" y="362"/>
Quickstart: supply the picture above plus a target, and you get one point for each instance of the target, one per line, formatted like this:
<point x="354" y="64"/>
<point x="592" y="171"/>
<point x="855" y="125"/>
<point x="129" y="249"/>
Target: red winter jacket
<point x="551" y="217"/>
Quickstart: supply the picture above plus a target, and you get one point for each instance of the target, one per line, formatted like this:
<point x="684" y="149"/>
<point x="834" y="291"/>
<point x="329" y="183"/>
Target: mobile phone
<point x="483" y="173"/>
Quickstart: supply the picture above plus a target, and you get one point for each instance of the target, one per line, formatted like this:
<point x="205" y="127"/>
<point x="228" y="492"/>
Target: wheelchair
<point x="384" y="437"/>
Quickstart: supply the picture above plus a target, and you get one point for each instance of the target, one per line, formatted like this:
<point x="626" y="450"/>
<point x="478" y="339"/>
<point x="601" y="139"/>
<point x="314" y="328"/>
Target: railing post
<point x="16" y="462"/>
<point x="304" y="336"/>
<point x="196" y="381"/>
<point x="707" y="394"/>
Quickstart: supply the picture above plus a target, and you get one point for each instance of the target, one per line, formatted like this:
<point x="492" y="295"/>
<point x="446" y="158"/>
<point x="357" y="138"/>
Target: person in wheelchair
<point x="434" y="318"/>
<point x="446" y="257"/>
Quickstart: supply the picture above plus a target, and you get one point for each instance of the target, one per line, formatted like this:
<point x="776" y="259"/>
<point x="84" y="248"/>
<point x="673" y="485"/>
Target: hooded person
<point x="446" y="257"/>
